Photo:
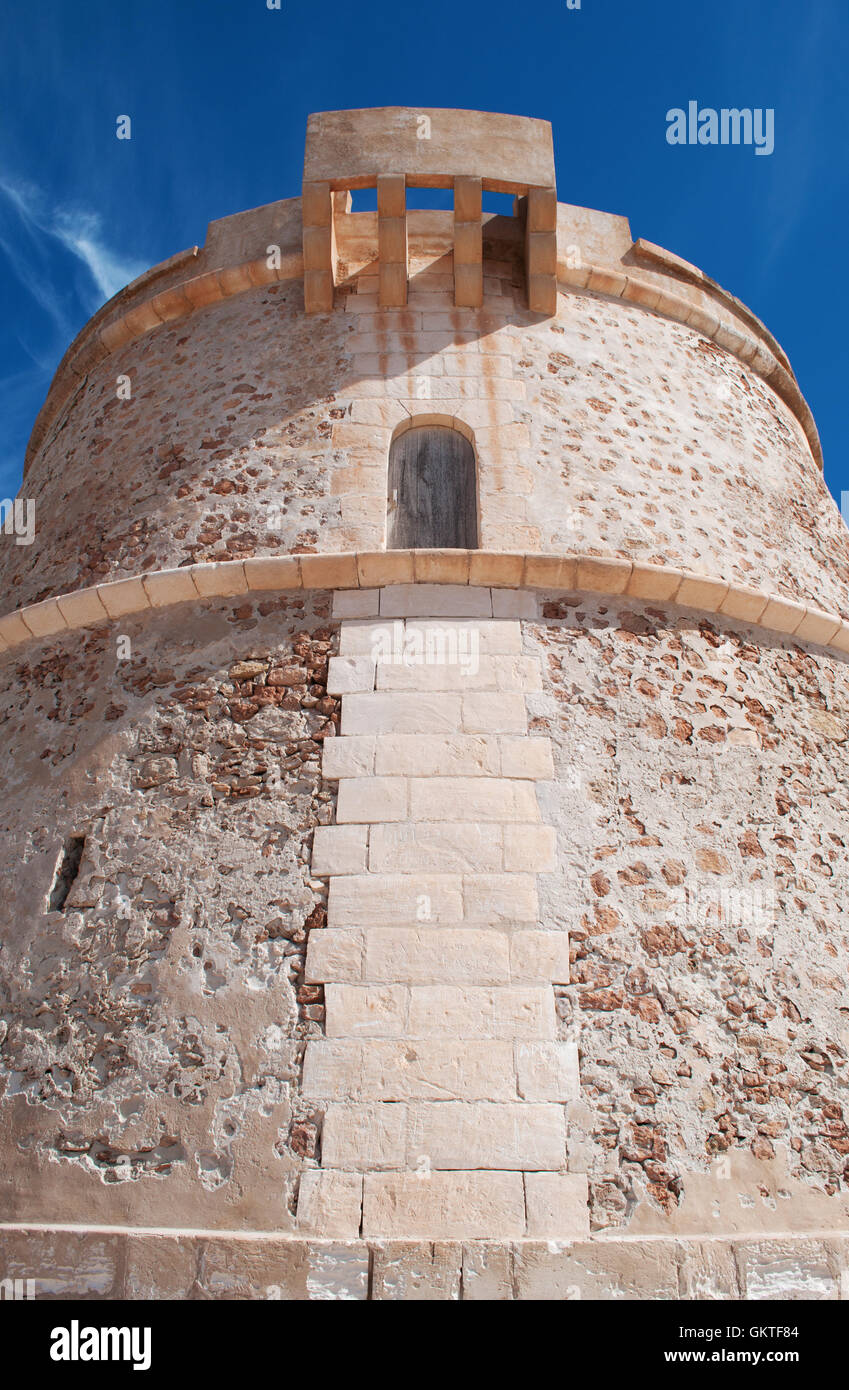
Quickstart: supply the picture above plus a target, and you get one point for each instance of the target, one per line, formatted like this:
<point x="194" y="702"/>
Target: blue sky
<point x="219" y="92"/>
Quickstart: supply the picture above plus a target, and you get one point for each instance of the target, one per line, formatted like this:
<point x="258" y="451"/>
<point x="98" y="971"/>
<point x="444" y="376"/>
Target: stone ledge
<point x="445" y="576"/>
<point x="141" y="1263"/>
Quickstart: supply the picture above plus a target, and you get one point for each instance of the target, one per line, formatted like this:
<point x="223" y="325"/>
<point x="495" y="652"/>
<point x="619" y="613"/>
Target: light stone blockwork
<point x="441" y="1069"/>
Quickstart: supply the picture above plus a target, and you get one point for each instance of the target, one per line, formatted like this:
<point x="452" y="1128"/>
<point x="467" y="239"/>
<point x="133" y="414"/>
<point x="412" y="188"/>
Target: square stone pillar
<point x="541" y="250"/>
<point x="319" y="248"/>
<point x="468" y="243"/>
<point x="392" y="240"/>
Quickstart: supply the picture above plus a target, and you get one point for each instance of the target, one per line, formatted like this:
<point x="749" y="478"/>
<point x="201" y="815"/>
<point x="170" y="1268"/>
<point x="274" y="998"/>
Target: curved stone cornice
<point x="571" y="573"/>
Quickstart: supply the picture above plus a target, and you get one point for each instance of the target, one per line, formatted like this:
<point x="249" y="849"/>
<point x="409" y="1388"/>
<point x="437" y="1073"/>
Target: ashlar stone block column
<point x="442" y="1077"/>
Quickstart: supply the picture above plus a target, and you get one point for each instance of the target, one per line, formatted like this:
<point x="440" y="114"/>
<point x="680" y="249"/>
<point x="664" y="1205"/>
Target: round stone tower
<point x="423" y="786"/>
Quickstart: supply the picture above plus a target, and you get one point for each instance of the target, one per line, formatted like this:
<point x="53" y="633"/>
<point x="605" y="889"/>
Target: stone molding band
<point x="99" y="340"/>
<point x="571" y="573"/>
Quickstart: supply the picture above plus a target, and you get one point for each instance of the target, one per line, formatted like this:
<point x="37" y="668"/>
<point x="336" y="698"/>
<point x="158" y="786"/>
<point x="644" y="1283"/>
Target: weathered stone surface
<point x="338" y="1272"/>
<point x="340" y="849"/>
<point x="348" y="757"/>
<point x="449" y="1206"/>
<point x="330" y="1203"/>
<point x="368" y="636"/>
<point x="396" y="1071"/>
<point x="335" y="957"/>
<point x="790" y="1270"/>
<point x="470" y="673"/>
<point x="348" y="673"/>
<point x="725" y="862"/>
<point x="473" y="1012"/>
<point x="434" y="755"/>
<point x="150" y="1265"/>
<point x="557" y="1206"/>
<point x="416" y="1272"/>
<point x="65" y="1264"/>
<point x="435" y="601"/>
<point x="514" y="603"/>
<point x="271" y="1269"/>
<point x="365" y="1137"/>
<point x="540" y="955"/>
<point x="365" y="799"/>
<point x="547" y="1071"/>
<point x="530" y="849"/>
<point x="346" y="147"/>
<point x="486" y="713"/>
<point x="471" y="798"/>
<point x="431" y="955"/>
<point x="458" y="1135"/>
<point x="355" y="603"/>
<point x="488" y="1273"/>
<point x="526" y="757"/>
<point x="595" y="1270"/>
<point x="488" y="637"/>
<point x="384" y="899"/>
<point x="500" y="898"/>
<point x="167" y="1043"/>
<point x="160" y="1267"/>
<point x="367" y="1011"/>
<point x="427" y="847"/>
<point x="402" y="712"/>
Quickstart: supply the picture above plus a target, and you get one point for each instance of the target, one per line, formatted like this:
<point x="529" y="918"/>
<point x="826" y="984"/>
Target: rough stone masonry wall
<point x="254" y="430"/>
<point x="224" y="450"/>
<point x="152" y="1031"/>
<point x="649" y="441"/>
<point x="693" y="759"/>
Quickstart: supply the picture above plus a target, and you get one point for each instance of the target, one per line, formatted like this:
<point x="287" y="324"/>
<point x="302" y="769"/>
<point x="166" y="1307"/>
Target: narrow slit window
<point x="432" y="500"/>
<point x="66" y="872"/>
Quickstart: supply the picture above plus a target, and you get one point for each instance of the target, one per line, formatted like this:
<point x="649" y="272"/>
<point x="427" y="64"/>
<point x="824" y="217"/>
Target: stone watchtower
<point x="424" y="781"/>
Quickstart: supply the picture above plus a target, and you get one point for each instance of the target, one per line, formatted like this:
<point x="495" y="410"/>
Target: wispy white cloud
<point x="79" y="230"/>
<point x="60" y="257"/>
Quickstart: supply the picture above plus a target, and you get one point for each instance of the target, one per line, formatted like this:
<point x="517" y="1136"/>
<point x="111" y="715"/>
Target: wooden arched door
<point x="432" y="500"/>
